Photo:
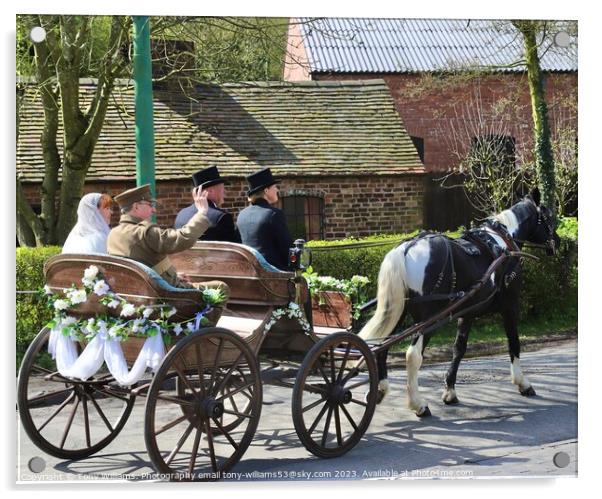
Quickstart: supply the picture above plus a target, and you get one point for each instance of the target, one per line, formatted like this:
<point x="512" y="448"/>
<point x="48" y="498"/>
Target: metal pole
<point x="143" y="92"/>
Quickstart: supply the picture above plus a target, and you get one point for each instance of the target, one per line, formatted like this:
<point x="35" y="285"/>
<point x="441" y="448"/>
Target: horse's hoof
<point x="449" y="396"/>
<point x="426" y="412"/>
<point x="451" y="401"/>
<point x="529" y="392"/>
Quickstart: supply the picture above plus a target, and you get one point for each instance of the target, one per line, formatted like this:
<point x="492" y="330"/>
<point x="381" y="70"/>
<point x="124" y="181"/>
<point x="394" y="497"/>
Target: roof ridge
<point x="241" y="84"/>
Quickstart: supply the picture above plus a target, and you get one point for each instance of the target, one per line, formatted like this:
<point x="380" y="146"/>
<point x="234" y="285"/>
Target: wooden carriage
<point x="204" y="401"/>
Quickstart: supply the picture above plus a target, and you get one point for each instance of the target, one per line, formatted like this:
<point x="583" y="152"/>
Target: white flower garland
<point x="293" y="311"/>
<point x="103" y="334"/>
<point x="132" y="320"/>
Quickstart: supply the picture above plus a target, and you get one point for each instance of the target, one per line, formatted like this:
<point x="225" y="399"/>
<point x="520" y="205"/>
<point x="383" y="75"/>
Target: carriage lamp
<point x="299" y="257"/>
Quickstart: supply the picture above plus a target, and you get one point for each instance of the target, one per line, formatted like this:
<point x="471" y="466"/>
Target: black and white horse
<point x="426" y="271"/>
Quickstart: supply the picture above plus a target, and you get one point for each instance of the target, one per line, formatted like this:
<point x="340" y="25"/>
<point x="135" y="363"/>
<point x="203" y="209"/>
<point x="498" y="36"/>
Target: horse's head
<point x="536" y="223"/>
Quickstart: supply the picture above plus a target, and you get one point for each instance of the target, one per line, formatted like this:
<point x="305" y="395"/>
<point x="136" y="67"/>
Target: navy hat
<point x="207" y="177"/>
<point x="260" y="180"/>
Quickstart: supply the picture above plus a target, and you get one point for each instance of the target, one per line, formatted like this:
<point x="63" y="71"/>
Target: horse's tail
<point x="390" y="297"/>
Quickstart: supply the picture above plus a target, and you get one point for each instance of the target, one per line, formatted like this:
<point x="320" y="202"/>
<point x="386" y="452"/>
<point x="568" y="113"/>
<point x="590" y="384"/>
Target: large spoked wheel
<point x="329" y="411"/>
<point x="237" y="399"/>
<point x="200" y="427"/>
<point x="56" y="412"/>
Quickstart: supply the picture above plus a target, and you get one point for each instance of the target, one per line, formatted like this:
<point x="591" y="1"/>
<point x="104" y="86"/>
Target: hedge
<point x="557" y="274"/>
<point x="31" y="315"/>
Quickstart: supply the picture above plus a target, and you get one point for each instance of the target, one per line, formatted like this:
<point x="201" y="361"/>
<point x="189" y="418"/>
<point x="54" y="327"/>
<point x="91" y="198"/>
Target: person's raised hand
<point x="200" y="199"/>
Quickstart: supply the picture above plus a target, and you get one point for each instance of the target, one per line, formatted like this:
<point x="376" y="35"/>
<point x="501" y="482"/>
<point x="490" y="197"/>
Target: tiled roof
<point x="355" y="45"/>
<point x="305" y="128"/>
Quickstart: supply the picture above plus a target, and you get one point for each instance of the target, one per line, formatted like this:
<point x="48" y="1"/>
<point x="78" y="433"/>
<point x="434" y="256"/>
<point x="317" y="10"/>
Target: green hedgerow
<point x="31" y="312"/>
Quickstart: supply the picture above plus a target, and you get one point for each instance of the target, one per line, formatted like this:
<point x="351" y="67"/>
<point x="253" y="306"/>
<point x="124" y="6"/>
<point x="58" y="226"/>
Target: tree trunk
<point x="25" y="236"/>
<point x="28" y="223"/>
<point x="58" y="66"/>
<point x="544" y="159"/>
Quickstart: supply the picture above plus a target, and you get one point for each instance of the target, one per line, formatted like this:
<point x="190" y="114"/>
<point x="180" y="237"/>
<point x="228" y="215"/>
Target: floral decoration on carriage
<point x="103" y="332"/>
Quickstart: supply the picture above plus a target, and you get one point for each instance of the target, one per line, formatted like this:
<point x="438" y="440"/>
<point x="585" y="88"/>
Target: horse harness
<point x="473" y="242"/>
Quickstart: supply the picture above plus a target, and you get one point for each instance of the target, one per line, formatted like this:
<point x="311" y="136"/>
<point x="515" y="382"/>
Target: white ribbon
<point x="105" y="349"/>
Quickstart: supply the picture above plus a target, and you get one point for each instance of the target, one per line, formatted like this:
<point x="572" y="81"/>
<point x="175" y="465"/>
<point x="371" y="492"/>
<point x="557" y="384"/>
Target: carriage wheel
<point x="237" y="399"/>
<point x="195" y="431"/>
<point x="56" y="412"/>
<point x="329" y="411"/>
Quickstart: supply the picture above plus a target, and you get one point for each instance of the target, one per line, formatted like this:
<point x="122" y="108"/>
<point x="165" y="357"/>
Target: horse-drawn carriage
<point x="204" y="400"/>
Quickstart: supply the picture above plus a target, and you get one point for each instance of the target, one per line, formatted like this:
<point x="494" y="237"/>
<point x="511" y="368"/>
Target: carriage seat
<point x="251" y="279"/>
<point x="133" y="280"/>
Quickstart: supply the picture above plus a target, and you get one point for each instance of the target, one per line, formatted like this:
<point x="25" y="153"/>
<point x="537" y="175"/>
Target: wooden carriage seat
<point x="256" y="287"/>
<point x="133" y="280"/>
<point x="252" y="280"/>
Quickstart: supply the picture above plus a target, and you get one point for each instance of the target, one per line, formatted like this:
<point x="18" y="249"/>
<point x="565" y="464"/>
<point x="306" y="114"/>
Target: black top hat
<point x="207" y="177"/>
<point x="260" y="180"/>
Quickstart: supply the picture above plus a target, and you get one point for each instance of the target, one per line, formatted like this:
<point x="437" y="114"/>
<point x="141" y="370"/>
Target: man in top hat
<point x="222" y="223"/>
<point x="138" y="238"/>
<point x="263" y="226"/>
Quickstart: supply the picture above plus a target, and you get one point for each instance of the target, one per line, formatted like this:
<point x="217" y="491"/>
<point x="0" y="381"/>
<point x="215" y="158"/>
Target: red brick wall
<point x="431" y="107"/>
<point x="353" y="206"/>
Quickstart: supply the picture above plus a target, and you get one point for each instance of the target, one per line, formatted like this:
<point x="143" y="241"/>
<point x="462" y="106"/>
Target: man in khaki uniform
<point x="138" y="238"/>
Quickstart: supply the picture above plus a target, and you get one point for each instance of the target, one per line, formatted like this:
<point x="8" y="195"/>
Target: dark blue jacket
<point x="263" y="227"/>
<point x="222" y="224"/>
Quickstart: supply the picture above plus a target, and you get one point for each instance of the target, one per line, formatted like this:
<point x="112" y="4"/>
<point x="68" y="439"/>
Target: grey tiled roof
<point x="356" y="45"/>
<point x="310" y="128"/>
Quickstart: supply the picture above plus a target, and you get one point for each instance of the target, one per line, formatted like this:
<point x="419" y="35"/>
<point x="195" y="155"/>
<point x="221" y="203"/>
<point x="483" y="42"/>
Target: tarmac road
<point x="492" y="432"/>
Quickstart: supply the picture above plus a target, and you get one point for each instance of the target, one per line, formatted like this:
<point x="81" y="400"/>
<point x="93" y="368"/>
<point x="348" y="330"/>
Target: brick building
<point x="347" y="165"/>
<point x="453" y="82"/>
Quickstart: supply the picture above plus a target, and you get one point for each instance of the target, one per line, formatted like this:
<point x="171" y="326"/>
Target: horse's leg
<point x="510" y="316"/>
<point x="449" y="394"/>
<point x="413" y="362"/>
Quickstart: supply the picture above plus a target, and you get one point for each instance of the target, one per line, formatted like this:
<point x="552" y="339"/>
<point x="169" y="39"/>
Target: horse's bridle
<point x="542" y="219"/>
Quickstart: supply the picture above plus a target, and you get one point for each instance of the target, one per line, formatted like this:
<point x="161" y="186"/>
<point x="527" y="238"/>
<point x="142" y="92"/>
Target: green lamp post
<point x="143" y="91"/>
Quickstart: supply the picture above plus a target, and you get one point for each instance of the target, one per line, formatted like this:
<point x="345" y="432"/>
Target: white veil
<point x="89" y="235"/>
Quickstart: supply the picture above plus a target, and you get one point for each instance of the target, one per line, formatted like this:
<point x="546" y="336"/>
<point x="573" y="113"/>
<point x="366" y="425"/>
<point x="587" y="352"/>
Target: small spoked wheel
<point x="57" y="412"/>
<point x="330" y="413"/>
<point x="199" y="428"/>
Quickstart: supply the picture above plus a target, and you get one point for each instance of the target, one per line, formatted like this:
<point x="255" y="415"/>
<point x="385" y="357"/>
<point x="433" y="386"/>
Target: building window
<point x="419" y="145"/>
<point x="304" y="215"/>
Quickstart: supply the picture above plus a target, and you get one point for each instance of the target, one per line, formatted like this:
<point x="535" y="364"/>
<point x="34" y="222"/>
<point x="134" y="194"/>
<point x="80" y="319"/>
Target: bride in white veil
<point x="89" y="235"/>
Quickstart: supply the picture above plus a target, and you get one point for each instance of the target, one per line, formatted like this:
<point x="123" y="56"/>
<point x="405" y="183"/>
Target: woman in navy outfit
<point x="261" y="225"/>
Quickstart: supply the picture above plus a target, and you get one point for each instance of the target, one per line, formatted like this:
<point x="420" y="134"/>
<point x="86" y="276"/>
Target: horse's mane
<point x="507" y="218"/>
